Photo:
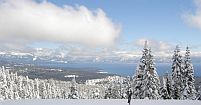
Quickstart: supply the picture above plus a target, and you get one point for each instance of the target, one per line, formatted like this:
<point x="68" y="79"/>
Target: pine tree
<point x="113" y="91"/>
<point x="95" y="94"/>
<point x="73" y="90"/>
<point x="108" y="93"/>
<point x="43" y="90"/>
<point x="20" y="87"/>
<point x="166" y="88"/>
<point x="189" y="91"/>
<point x="27" y="88"/>
<point x="4" y="87"/>
<point x="177" y="81"/>
<point x="151" y="82"/>
<point x="138" y="77"/>
<point x="36" y="89"/>
<point x="146" y="80"/>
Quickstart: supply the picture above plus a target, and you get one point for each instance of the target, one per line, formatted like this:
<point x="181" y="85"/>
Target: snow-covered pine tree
<point x="138" y="77"/>
<point x="4" y="87"/>
<point x="116" y="90"/>
<point x="27" y="88"/>
<point x="73" y="89"/>
<point x="189" y="91"/>
<point x="108" y="93"/>
<point x="43" y="90"/>
<point x="177" y="81"/>
<point x="20" y="87"/>
<point x="151" y="82"/>
<point x="95" y="94"/>
<point x="124" y="88"/>
<point x="36" y="89"/>
<point x="53" y="88"/>
<point x="146" y="80"/>
<point x="166" y="88"/>
<point x="113" y="91"/>
<point x="1" y="96"/>
<point x="49" y="91"/>
<point x="121" y="88"/>
<point x="58" y="93"/>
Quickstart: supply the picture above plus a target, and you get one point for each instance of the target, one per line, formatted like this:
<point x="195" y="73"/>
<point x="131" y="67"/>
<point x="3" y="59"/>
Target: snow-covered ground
<point x="99" y="102"/>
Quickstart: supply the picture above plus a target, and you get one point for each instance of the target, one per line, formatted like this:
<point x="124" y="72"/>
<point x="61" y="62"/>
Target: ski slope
<point x="99" y="102"/>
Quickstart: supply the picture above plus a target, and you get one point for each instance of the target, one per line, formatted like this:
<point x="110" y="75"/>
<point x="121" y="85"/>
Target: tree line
<point x="145" y="84"/>
<point x="180" y="85"/>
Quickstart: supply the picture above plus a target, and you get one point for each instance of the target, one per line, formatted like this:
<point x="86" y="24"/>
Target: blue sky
<point x="154" y="19"/>
<point x="48" y="24"/>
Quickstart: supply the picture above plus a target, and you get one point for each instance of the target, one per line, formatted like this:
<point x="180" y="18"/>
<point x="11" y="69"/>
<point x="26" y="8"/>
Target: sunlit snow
<point x="99" y="102"/>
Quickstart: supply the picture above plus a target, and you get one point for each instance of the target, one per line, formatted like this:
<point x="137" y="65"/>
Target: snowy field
<point x="99" y="102"/>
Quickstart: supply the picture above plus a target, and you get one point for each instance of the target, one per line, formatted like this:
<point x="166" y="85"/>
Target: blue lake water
<point x="121" y="69"/>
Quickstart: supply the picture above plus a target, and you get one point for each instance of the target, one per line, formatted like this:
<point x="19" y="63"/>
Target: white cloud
<point x="154" y="44"/>
<point x="159" y="48"/>
<point x="29" y="21"/>
<point x="165" y="49"/>
<point x="194" y="19"/>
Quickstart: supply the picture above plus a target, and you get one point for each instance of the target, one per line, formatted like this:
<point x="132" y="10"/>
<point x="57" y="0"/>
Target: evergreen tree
<point x="36" y="89"/>
<point x="146" y="80"/>
<point x="138" y="77"/>
<point x="73" y="90"/>
<point x="189" y="91"/>
<point x="95" y="94"/>
<point x="177" y="81"/>
<point x="151" y="82"/>
<point x="166" y="88"/>
<point x="43" y="90"/>
<point x="108" y="93"/>
<point x="113" y="91"/>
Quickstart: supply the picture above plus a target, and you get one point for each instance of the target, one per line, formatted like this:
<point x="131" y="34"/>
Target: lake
<point x="123" y="69"/>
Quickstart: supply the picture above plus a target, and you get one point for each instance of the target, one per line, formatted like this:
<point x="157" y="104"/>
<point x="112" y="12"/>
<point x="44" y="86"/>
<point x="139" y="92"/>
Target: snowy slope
<point x="99" y="102"/>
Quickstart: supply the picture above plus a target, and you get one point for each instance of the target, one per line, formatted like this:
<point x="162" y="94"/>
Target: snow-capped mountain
<point x="65" y="56"/>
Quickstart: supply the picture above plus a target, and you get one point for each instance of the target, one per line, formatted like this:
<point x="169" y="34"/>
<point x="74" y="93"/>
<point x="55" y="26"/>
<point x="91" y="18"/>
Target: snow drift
<point x="99" y="102"/>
